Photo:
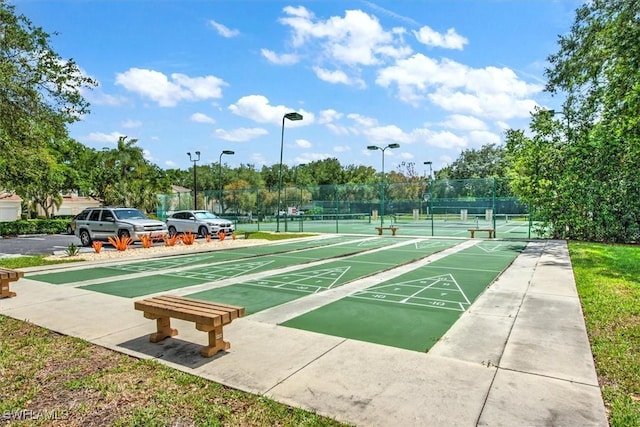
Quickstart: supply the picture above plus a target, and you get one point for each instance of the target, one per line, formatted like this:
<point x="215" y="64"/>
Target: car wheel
<point x="85" y="238"/>
<point x="123" y="233"/>
<point x="172" y="231"/>
<point x="202" y="231"/>
<point x="69" y="229"/>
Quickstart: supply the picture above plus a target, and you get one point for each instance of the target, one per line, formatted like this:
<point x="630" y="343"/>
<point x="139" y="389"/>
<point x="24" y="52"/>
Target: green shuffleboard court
<point x="257" y="295"/>
<point x="214" y="271"/>
<point x="178" y="261"/>
<point x="415" y="309"/>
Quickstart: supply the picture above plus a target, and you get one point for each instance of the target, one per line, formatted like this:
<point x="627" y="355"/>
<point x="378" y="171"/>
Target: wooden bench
<point x="7" y="276"/>
<point x="393" y="230"/>
<point x="488" y="230"/>
<point x="209" y="317"/>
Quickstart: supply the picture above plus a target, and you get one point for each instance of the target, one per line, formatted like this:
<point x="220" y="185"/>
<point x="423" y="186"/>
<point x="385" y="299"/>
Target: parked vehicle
<point x="102" y="223"/>
<point x="200" y="222"/>
<point x="71" y="225"/>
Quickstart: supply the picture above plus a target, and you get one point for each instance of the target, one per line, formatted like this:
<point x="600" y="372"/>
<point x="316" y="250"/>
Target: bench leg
<point x="5" y="292"/>
<point x="164" y="330"/>
<point x="216" y="341"/>
<point x="472" y="233"/>
<point x="393" y="231"/>
<point x="379" y="231"/>
<point x="491" y="234"/>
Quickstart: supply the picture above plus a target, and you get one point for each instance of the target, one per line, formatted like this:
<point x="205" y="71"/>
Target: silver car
<point x="198" y="221"/>
<point x="102" y="223"/>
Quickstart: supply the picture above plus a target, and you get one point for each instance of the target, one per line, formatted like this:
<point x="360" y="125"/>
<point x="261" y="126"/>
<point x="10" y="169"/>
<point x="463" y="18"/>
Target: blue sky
<point x="436" y="77"/>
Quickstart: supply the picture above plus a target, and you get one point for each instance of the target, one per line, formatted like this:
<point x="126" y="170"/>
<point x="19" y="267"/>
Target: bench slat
<point x="201" y="312"/>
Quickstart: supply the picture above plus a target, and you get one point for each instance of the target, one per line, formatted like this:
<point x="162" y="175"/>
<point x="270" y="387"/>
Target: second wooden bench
<point x="488" y="230"/>
<point x="209" y="317"/>
<point x="393" y="230"/>
<point x="7" y="276"/>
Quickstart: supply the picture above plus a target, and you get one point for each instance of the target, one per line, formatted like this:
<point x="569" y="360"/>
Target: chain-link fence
<point x="421" y="208"/>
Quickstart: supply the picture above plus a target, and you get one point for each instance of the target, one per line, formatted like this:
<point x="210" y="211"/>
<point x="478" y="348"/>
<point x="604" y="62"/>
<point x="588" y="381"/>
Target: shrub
<point x="147" y="240"/>
<point x="97" y="246"/>
<point x="170" y="240"/>
<point x="120" y="243"/>
<point x="72" y="250"/>
<point x="188" y="238"/>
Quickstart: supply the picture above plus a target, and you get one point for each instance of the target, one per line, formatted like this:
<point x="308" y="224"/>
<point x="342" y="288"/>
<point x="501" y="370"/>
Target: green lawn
<point x="608" y="281"/>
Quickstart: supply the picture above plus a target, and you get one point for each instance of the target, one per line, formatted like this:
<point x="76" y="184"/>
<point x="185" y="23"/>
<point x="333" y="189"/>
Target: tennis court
<point x="514" y="226"/>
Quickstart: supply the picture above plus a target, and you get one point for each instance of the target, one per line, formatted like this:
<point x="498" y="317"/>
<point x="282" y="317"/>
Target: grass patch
<point x="68" y="381"/>
<point x="608" y="282"/>
<point x="33" y="261"/>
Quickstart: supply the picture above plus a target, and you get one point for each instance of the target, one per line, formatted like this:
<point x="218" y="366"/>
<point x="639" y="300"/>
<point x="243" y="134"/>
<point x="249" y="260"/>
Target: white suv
<point x="102" y="223"/>
<point x="199" y="222"/>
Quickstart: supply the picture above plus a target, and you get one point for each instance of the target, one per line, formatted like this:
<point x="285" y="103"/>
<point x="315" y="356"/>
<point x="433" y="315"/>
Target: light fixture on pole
<point x="430" y="170"/>
<point x="195" y="182"/>
<point x="293" y="117"/>
<point x="375" y="147"/>
<point x="230" y="153"/>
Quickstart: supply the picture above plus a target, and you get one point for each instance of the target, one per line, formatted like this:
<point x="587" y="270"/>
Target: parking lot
<point x="40" y="244"/>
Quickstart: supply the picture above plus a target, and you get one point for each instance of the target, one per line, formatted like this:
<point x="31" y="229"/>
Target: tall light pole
<point x="230" y="153"/>
<point x="430" y="170"/>
<point x="428" y="184"/>
<point x="293" y="117"/>
<point x="195" y="183"/>
<point x="375" y="147"/>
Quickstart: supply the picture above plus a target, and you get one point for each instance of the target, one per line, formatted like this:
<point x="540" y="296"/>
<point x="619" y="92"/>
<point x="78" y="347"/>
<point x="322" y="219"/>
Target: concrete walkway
<point x="519" y="356"/>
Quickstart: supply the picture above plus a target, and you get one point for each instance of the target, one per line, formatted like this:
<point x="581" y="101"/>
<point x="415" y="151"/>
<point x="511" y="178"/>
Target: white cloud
<point x="483" y="137"/>
<point x="442" y="139"/>
<point x="201" y="118"/>
<point x="490" y="92"/>
<point x="341" y="148"/>
<point x="131" y="124"/>
<point x="355" y="39"/>
<point x="168" y="92"/>
<point x="387" y="134"/>
<point x="338" y="76"/>
<point x="110" y="138"/>
<point x="463" y="122"/>
<point x="305" y="158"/>
<point x="223" y="30"/>
<point x="258" y="109"/>
<point x="282" y="59"/>
<point x="328" y="116"/>
<point x="240" y="134"/>
<point x="303" y="143"/>
<point x="450" y="40"/>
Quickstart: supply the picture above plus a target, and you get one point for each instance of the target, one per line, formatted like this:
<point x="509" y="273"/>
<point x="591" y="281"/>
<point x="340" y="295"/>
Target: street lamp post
<point x="195" y="183"/>
<point x="230" y="153"/>
<point x="430" y="170"/>
<point x="375" y="147"/>
<point x="293" y="117"/>
<point x="428" y="182"/>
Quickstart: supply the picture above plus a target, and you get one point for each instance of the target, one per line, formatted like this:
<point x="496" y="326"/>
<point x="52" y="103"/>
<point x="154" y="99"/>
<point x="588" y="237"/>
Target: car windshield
<point x="129" y="214"/>
<point x="205" y="215"/>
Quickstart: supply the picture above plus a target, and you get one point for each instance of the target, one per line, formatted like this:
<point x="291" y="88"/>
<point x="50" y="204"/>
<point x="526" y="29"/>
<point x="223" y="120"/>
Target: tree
<point x="127" y="179"/>
<point x="586" y="183"/>
<point x="38" y="89"/>
<point x="486" y="162"/>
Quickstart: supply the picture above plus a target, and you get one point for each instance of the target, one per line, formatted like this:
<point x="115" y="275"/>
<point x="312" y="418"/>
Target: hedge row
<point x="33" y="226"/>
